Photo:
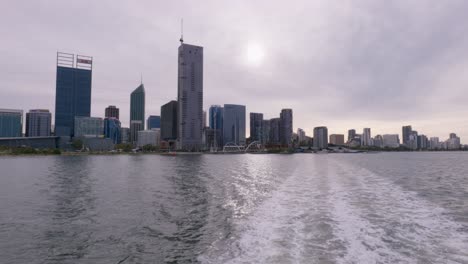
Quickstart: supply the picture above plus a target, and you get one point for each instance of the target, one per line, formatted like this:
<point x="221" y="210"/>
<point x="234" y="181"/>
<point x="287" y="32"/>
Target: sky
<point x="343" y="64"/>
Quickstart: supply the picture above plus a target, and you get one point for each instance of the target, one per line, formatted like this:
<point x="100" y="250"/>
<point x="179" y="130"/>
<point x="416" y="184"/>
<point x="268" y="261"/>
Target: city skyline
<point x="338" y="102"/>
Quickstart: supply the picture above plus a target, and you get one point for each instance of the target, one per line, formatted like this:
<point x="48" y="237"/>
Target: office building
<point x="125" y="135"/>
<point x="216" y="113"/>
<point x="190" y="97"/>
<point x="423" y="142"/>
<point x="137" y="112"/>
<point x="434" y="143"/>
<point x="391" y="140"/>
<point x="38" y="123"/>
<point x="320" y="137"/>
<point x="169" y="122"/>
<point x="351" y="134"/>
<point x="153" y="122"/>
<point x="286" y="131"/>
<point x="11" y="123"/>
<point x="256" y="121"/>
<point x="73" y="91"/>
<point x="406" y="132"/>
<point x="266" y="132"/>
<point x="234" y="124"/>
<point x="453" y="143"/>
<point x="112" y="129"/>
<point x="148" y="137"/>
<point x="204" y="119"/>
<point x="337" y="139"/>
<point x="412" y="142"/>
<point x="378" y="141"/>
<point x="135" y="126"/>
<point x="301" y="136"/>
<point x="88" y="126"/>
<point x="275" y="130"/>
<point x="112" y="111"/>
<point x="366" y="139"/>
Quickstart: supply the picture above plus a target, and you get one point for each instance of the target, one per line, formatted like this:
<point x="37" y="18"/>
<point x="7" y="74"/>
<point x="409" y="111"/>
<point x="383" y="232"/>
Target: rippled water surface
<point x="303" y="208"/>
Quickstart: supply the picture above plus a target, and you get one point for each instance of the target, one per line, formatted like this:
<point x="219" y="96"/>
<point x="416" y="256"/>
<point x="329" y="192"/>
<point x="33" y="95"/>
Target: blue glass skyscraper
<point x="73" y="91"/>
<point x="112" y="129"/>
<point x="234" y="124"/>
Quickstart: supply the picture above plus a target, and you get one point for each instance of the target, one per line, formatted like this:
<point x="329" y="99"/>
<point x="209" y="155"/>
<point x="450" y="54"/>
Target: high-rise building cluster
<point x="182" y="123"/>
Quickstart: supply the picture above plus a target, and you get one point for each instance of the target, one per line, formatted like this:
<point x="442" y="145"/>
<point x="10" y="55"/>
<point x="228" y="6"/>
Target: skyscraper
<point x="190" y="97"/>
<point x="366" y="139"/>
<point x="286" y="131"/>
<point x="73" y="91"/>
<point x="112" y="129"/>
<point x="351" y="134"/>
<point x="11" y="123"/>
<point x="234" y="124"/>
<point x="256" y="122"/>
<point x="112" y="111"/>
<point x="266" y="132"/>
<point x="216" y="113"/>
<point x="275" y="131"/>
<point x="320" y="137"/>
<point x="153" y="122"/>
<point x="406" y="132"/>
<point x="137" y="112"/>
<point x="38" y="123"/>
<point x="169" y="122"/>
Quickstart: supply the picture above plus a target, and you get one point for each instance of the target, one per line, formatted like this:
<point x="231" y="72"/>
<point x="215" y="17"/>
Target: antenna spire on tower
<point x="182" y="31"/>
<point x="141" y="78"/>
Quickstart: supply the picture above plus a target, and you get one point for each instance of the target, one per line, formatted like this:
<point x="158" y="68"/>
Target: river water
<point x="302" y="208"/>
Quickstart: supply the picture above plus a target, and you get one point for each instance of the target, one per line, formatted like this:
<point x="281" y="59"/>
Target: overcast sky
<point x="343" y="64"/>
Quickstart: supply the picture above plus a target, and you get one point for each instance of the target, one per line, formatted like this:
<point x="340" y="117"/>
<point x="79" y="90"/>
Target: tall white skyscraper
<point x="366" y="139"/>
<point x="190" y="97"/>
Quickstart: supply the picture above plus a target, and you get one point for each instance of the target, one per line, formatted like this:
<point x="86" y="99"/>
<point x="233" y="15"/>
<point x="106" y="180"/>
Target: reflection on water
<point x="383" y="208"/>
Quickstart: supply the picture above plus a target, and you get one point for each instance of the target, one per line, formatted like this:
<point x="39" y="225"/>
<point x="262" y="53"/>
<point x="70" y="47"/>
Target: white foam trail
<point x="331" y="211"/>
<point x="381" y="222"/>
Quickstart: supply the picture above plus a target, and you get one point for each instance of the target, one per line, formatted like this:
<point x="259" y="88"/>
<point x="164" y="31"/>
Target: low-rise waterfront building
<point x="88" y="126"/>
<point x="11" y="123"/>
<point x="38" y="123"/>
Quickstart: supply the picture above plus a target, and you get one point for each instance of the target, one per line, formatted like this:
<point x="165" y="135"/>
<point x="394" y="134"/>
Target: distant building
<point x="148" y="137"/>
<point x="11" y="123"/>
<point x="216" y="124"/>
<point x="234" y="124"/>
<point x="286" y="131"/>
<point x="320" y="137"/>
<point x="301" y="136"/>
<point x="73" y="91"/>
<point x="453" y="143"/>
<point x="190" y="97"/>
<point x="89" y="126"/>
<point x="355" y="141"/>
<point x="153" y="122"/>
<point x="351" y="134"/>
<point x="406" y="132"/>
<point x="337" y="139"/>
<point x="137" y="112"/>
<point x="125" y="135"/>
<point x="112" y="129"/>
<point x="423" y="142"/>
<point x="391" y="141"/>
<point x="412" y="142"/>
<point x="366" y="139"/>
<point x="378" y="141"/>
<point x="434" y="143"/>
<point x="38" y="123"/>
<point x="135" y="126"/>
<point x="112" y="111"/>
<point x="266" y="132"/>
<point x="169" y="123"/>
<point x="275" y="131"/>
<point x="256" y="121"/>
